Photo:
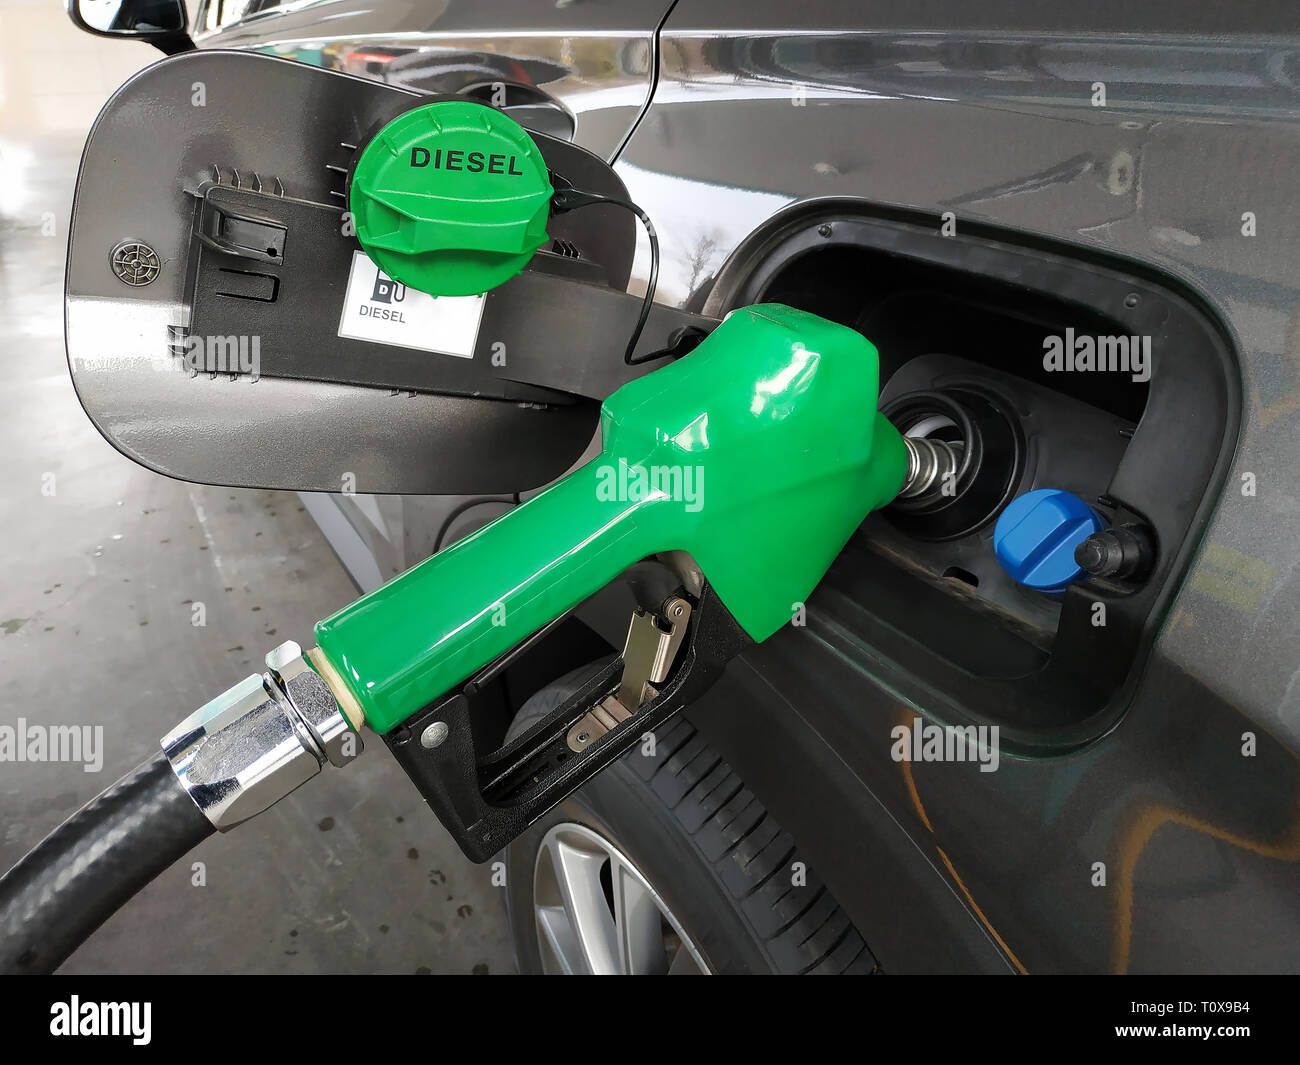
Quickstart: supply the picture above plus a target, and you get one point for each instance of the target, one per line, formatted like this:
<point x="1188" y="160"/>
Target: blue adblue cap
<point x="1035" y="537"/>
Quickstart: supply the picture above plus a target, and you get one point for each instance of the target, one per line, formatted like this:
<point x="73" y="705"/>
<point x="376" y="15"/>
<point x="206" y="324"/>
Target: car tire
<point x="734" y="894"/>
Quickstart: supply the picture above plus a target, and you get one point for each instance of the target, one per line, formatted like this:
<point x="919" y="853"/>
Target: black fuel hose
<point x="84" y="870"/>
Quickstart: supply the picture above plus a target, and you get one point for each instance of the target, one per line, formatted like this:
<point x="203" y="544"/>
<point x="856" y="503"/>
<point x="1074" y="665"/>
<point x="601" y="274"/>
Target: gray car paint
<point x="988" y="113"/>
<point x="970" y="121"/>
<point x="959" y="111"/>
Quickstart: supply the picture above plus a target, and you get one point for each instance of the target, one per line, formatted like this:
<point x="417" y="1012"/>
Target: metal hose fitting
<point x="254" y="744"/>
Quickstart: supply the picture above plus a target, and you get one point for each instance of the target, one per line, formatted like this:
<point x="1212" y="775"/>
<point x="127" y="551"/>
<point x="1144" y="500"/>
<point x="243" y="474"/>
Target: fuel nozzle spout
<point x="931" y="467"/>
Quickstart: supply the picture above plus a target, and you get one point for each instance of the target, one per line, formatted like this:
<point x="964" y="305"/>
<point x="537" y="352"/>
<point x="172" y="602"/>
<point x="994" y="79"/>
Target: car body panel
<point x="952" y="111"/>
<point x="1164" y="845"/>
<point x="594" y="58"/>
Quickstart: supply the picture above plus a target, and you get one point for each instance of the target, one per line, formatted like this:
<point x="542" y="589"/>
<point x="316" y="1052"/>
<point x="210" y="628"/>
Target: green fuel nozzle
<point x="758" y="453"/>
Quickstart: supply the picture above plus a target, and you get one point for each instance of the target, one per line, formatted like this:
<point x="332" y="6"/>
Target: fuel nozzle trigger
<point x="667" y="663"/>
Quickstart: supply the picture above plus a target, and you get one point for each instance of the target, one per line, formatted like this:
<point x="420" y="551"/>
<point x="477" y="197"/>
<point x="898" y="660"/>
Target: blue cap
<point x="1036" y="534"/>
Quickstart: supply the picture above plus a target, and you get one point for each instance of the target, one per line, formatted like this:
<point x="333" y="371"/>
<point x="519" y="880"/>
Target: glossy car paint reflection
<point x="986" y="111"/>
<point x="1199" y="842"/>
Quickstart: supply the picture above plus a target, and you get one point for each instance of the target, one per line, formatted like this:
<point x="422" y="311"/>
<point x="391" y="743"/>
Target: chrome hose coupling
<point x="252" y="745"/>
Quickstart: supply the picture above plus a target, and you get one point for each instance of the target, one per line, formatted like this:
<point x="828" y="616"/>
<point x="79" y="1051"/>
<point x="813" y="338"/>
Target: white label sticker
<point x="384" y="311"/>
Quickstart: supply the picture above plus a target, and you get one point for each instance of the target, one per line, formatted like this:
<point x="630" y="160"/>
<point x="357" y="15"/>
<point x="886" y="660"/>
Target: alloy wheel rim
<point x="595" y="912"/>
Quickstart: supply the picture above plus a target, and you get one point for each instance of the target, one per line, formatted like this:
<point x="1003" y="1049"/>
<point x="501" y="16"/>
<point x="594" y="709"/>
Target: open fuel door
<point x="225" y="325"/>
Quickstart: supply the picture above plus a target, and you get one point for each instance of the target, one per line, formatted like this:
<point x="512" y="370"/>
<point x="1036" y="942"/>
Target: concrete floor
<point x="97" y="586"/>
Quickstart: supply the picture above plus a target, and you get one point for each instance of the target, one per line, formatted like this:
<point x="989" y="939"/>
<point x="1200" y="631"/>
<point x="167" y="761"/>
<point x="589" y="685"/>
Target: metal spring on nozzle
<point x="930" y="463"/>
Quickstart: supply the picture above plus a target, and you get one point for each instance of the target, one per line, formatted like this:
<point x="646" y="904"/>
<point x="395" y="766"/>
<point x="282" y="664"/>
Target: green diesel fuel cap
<point x="450" y="198"/>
